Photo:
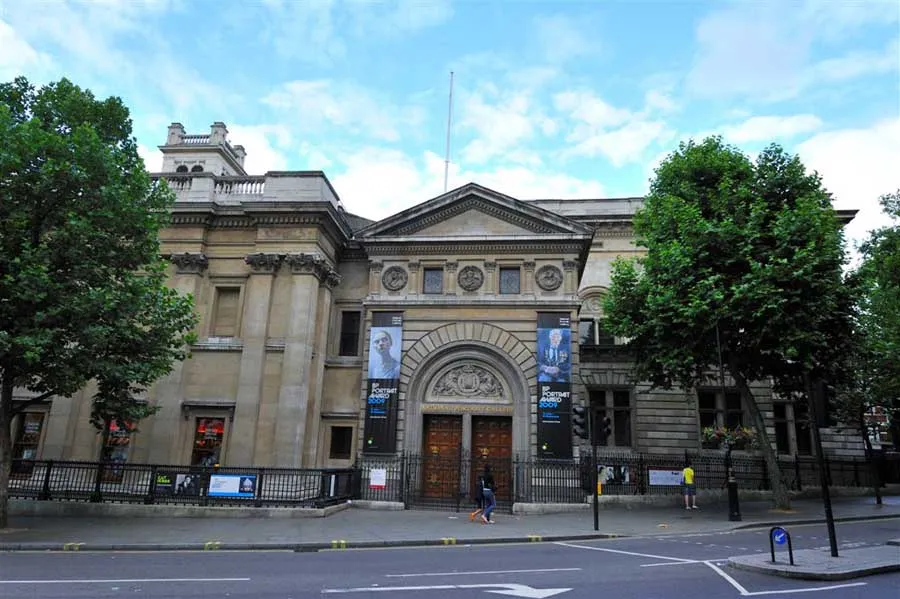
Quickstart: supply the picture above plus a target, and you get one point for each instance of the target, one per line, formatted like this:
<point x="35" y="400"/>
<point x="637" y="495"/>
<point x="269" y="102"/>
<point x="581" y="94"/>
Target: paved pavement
<point x="679" y="566"/>
<point x="365" y="528"/>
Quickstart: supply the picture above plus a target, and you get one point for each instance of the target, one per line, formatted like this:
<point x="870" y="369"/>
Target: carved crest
<point x="548" y="277"/>
<point x="470" y="278"/>
<point x="468" y="381"/>
<point x="394" y="278"/>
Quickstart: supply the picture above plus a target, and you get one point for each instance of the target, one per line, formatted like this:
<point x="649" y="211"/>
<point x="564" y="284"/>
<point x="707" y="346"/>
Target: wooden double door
<point x="449" y="470"/>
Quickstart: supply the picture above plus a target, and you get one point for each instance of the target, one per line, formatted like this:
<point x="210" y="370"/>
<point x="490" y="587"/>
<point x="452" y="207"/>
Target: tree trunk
<point x="6" y="394"/>
<point x="780" y="495"/>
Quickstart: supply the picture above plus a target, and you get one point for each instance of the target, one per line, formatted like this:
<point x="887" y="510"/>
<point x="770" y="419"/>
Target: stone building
<point x="324" y="336"/>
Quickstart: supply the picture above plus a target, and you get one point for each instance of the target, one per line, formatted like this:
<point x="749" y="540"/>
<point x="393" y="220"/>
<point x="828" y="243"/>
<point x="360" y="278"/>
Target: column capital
<point x="570" y="265"/>
<point x="490" y="266"/>
<point x="451" y="266"/>
<point x="375" y="266"/>
<point x="189" y="263"/>
<point x="413" y="266"/>
<point x="263" y="263"/>
<point x="528" y="265"/>
<point x="310" y="264"/>
<point x="332" y="278"/>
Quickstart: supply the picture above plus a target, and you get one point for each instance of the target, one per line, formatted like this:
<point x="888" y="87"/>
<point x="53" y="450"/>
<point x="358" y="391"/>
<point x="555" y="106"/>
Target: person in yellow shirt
<point x="690" y="491"/>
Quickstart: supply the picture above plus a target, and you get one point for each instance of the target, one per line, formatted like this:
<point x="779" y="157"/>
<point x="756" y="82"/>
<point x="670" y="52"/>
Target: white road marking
<point x="512" y="589"/>
<point x="482" y="572"/>
<point x="745" y="593"/>
<point x="123" y="580"/>
<point x="605" y="550"/>
<point x="728" y="578"/>
<point x="698" y="561"/>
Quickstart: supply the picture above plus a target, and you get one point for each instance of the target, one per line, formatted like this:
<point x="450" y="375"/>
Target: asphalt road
<point x="668" y="567"/>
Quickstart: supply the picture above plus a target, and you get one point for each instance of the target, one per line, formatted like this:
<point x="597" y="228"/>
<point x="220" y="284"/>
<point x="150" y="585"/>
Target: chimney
<point x="218" y="133"/>
<point x="241" y="153"/>
<point x="176" y="134"/>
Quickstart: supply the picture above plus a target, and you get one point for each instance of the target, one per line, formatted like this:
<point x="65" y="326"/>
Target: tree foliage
<point x="742" y="255"/>
<point x="82" y="283"/>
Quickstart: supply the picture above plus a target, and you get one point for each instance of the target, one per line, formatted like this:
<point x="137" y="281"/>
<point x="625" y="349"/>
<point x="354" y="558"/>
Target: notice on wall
<point x="232" y="485"/>
<point x="664" y="478"/>
<point x="377" y="478"/>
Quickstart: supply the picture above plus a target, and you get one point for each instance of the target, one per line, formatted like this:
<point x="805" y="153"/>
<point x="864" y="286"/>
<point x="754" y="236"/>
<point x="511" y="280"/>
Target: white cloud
<point x="857" y="167"/>
<point x="767" y="128"/>
<point x="349" y="107"/>
<point x="378" y="182"/>
<point x="265" y="146"/>
<point x="18" y="56"/>
<point x="627" y="143"/>
<point x="587" y="108"/>
<point x="764" y="49"/>
<point x="153" y="158"/>
<point x="661" y="101"/>
<point x="562" y="38"/>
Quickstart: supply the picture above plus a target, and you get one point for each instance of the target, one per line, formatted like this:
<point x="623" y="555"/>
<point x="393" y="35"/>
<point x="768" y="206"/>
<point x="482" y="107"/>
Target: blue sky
<point x="551" y="99"/>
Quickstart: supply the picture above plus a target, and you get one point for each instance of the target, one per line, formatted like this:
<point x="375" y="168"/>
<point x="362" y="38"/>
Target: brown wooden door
<point x="441" y="449"/>
<point x="492" y="444"/>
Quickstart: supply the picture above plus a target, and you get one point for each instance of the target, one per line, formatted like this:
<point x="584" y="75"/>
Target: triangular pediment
<point x="473" y="211"/>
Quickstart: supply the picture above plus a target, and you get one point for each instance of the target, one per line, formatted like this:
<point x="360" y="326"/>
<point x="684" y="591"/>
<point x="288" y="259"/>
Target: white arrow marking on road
<point x="513" y="590"/>
<point x="124" y="580"/>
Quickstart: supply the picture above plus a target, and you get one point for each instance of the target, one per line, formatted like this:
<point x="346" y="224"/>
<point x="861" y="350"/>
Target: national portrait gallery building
<point x="467" y="325"/>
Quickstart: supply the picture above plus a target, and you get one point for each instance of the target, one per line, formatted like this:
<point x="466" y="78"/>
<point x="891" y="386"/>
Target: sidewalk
<point x="365" y="528"/>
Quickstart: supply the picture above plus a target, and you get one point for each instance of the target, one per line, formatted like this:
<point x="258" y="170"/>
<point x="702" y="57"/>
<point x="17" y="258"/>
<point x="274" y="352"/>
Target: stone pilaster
<point x="254" y="327"/>
<point x="414" y="285"/>
<point x="491" y="284"/>
<point x="375" y="268"/>
<point x="189" y="269"/>
<point x="528" y="278"/>
<point x="307" y="271"/>
<point x="450" y="278"/>
<point x="570" y="277"/>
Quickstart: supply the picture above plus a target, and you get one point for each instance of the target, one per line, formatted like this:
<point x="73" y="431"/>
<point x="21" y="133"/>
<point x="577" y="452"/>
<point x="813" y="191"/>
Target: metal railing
<point x="184" y="485"/>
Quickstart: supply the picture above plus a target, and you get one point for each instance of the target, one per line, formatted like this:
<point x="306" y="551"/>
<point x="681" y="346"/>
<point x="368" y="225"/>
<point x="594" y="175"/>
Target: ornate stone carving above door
<point x="470" y="278"/>
<point x="468" y="380"/>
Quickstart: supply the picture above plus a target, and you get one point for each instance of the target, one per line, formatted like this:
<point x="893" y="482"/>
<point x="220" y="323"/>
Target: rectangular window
<point x="341" y="443"/>
<point x="432" y="280"/>
<point x="510" y="280"/>
<point x="26" y="443"/>
<point x="349" y="343"/>
<point x="115" y="451"/>
<point x="802" y="430"/>
<point x="586" y="332"/>
<point x="622" y="418"/>
<point x="734" y="414"/>
<point x="209" y="433"/>
<point x="706" y="402"/>
<point x="717" y="410"/>
<point x="615" y="405"/>
<point x="225" y="315"/>
<point x="782" y="432"/>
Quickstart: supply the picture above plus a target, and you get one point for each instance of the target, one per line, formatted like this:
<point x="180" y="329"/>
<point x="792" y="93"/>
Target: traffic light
<point x="579" y="422"/>
<point x="604" y="430"/>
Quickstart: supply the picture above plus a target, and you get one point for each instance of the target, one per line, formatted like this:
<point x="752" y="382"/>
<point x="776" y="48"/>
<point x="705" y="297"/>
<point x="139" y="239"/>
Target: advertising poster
<point x="232" y="485"/>
<point x="554" y="360"/>
<point x="382" y="387"/>
<point x="169" y="483"/>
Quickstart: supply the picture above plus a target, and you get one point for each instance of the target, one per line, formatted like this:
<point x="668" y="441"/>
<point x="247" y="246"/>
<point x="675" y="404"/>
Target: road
<point x="670" y="567"/>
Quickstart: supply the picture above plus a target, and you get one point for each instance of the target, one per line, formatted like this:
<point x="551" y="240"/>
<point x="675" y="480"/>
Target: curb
<point x="335" y="545"/>
<point x="814" y="521"/>
<point x="801" y="575"/>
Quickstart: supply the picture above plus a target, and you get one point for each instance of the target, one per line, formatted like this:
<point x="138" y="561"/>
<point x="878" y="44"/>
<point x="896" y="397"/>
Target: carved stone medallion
<point x="394" y="278"/>
<point x="548" y="277"/>
<point x="592" y="305"/>
<point x="468" y="381"/>
<point x="470" y="278"/>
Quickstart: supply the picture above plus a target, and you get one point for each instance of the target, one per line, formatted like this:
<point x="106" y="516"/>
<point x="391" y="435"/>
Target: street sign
<point x="509" y="589"/>
<point x="779" y="535"/>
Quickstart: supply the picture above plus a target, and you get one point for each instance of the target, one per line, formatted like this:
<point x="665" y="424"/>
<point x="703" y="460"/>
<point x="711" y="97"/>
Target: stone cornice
<point x="476" y="203"/>
<point x="189" y="263"/>
<point x="613" y="229"/>
<point x="426" y="249"/>
<point x="472" y="300"/>
<point x="263" y="263"/>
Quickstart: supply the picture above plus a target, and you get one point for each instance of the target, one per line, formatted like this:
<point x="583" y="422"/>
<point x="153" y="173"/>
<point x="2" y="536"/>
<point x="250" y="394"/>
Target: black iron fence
<point x="449" y="482"/>
<point x="185" y="485"/>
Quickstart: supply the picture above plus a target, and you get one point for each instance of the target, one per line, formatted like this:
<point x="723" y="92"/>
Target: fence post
<point x="642" y="474"/>
<point x="765" y="472"/>
<point x="404" y="480"/>
<point x="151" y="488"/>
<point x="259" y="484"/>
<point x="45" y="489"/>
<point x="856" y="473"/>
<point x="797" y="475"/>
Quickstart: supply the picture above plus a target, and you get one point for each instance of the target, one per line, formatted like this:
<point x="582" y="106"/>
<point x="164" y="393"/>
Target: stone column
<point x="330" y="279"/>
<point x="413" y="286"/>
<point x="254" y="332"/>
<point x="491" y="284"/>
<point x="294" y="395"/>
<point x="528" y="278"/>
<point x="450" y="278"/>
<point x="163" y="426"/>
<point x="570" y="282"/>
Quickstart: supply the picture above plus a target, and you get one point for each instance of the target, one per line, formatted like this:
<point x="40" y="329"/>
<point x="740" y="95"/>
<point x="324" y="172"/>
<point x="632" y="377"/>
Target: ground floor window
<point x="115" y="450"/>
<point x="616" y="405"/>
<point x="26" y="442"/>
<point x="209" y="437"/>
<point x="718" y="409"/>
<point x="341" y="445"/>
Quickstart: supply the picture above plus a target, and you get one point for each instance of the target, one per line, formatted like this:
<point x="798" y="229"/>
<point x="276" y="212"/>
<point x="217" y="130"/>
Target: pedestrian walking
<point x="487" y="491"/>
<point x="478" y="498"/>
<point x="690" y="491"/>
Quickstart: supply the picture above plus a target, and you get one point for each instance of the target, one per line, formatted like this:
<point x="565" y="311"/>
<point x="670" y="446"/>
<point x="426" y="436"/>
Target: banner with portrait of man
<point x="382" y="389"/>
<point x="554" y="375"/>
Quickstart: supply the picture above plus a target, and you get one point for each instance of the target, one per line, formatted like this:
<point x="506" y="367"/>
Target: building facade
<point x="466" y="325"/>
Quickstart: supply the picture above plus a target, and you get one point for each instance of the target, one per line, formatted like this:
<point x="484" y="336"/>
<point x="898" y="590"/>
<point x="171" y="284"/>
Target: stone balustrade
<point x="195" y="139"/>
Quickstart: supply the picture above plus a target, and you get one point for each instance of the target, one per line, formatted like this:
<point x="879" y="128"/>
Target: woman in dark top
<point x="487" y="490"/>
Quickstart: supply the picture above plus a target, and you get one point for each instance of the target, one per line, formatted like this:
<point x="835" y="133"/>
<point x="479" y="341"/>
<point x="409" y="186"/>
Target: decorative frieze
<point x="394" y="278"/>
<point x="189" y="263"/>
<point x="470" y="278"/>
<point x="548" y="277"/>
<point x="262" y="263"/>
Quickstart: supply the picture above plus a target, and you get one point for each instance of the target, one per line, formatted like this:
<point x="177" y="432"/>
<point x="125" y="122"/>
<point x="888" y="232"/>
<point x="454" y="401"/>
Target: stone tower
<point x="209" y="153"/>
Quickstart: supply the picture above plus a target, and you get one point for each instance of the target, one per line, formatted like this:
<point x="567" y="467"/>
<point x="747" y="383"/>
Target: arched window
<point x="181" y="169"/>
<point x="196" y="169"/>
<point x="590" y="329"/>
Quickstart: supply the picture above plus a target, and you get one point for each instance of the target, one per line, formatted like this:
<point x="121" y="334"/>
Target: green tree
<point x="739" y="255"/>
<point x="82" y="283"/>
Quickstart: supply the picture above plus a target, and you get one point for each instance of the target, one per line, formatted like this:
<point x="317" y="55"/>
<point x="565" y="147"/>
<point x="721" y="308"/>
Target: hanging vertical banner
<point x="382" y="390"/>
<point x="554" y="409"/>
